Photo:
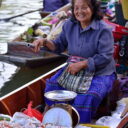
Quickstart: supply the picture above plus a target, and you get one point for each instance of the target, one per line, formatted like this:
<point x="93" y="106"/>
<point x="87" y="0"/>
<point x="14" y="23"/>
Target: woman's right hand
<point x="38" y="43"/>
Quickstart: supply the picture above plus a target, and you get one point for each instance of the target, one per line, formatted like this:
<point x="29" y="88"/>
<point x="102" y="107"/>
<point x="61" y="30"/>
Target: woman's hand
<point x="43" y="42"/>
<point x="38" y="43"/>
<point x="76" y="67"/>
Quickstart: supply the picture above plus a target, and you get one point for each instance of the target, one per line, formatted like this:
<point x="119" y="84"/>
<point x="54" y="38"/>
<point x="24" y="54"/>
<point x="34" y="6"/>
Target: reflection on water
<point x="3" y="48"/>
<point x="26" y="74"/>
<point x="10" y="77"/>
<point x="6" y="72"/>
<point x="13" y="28"/>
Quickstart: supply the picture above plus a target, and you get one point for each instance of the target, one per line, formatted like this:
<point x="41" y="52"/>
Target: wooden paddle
<point x="7" y="19"/>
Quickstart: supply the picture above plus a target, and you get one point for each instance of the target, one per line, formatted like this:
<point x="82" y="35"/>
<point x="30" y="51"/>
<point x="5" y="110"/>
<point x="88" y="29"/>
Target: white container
<point x="3" y="48"/>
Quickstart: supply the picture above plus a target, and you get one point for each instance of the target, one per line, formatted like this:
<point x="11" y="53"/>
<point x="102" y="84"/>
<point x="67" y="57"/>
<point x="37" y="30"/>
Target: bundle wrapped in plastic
<point x="56" y="30"/>
<point x="26" y="121"/>
<point x="119" y="109"/>
<point x="9" y="124"/>
<point x="31" y="112"/>
<point x="110" y="121"/>
<point x="114" y="120"/>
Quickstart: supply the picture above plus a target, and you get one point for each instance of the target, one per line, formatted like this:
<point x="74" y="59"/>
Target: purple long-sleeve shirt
<point x="94" y="42"/>
<point x="52" y="5"/>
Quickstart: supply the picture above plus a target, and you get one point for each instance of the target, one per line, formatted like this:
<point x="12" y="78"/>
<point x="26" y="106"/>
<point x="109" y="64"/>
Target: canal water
<point x="11" y="29"/>
<point x="13" y="76"/>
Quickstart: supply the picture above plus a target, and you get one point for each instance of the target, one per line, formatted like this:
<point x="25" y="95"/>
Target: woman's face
<point x="82" y="12"/>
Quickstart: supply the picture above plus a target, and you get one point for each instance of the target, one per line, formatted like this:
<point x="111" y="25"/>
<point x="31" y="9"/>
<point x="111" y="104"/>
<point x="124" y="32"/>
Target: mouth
<point x="81" y="16"/>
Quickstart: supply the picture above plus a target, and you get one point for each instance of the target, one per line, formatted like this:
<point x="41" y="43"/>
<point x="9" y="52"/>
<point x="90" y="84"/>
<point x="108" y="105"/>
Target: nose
<point x="79" y="10"/>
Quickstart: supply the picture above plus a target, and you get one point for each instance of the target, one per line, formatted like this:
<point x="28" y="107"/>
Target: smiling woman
<point x="83" y="13"/>
<point x="84" y="35"/>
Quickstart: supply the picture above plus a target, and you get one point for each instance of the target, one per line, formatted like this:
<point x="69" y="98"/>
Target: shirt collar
<point x="94" y="25"/>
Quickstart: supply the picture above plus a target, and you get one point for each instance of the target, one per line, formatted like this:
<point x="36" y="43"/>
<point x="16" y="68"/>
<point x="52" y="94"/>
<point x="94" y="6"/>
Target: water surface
<point x="14" y="76"/>
<point x="13" y="28"/>
<point x="6" y="72"/>
<point x="24" y="75"/>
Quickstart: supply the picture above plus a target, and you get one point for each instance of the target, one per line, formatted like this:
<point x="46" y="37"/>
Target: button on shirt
<point x="52" y="5"/>
<point x="94" y="43"/>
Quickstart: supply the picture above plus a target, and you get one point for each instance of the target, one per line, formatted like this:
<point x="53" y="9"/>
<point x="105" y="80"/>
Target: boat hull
<point x="21" y="54"/>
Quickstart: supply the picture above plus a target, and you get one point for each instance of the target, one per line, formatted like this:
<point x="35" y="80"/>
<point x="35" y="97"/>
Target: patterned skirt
<point x="87" y="103"/>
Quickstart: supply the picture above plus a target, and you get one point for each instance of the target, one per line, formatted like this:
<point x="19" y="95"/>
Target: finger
<point x="38" y="46"/>
<point x="73" y="73"/>
<point x="68" y="69"/>
<point x="35" y="45"/>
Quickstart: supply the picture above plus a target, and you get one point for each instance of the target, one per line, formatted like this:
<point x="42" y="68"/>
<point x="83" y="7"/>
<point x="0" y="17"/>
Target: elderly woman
<point x="85" y="35"/>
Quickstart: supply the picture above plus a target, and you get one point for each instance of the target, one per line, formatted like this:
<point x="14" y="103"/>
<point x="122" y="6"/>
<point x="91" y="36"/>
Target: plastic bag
<point x="110" y="121"/>
<point x="33" y="112"/>
<point x="25" y="121"/>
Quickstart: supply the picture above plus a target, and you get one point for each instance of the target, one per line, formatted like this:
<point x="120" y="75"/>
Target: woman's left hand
<point x="76" y="67"/>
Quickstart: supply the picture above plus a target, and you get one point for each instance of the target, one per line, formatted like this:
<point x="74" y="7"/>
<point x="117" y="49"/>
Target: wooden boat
<point x="19" y="52"/>
<point x="19" y="98"/>
<point x="34" y="91"/>
<point x="64" y="8"/>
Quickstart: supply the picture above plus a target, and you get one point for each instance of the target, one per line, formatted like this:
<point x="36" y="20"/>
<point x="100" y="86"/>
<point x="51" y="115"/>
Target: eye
<point x="76" y="8"/>
<point x="84" y="8"/>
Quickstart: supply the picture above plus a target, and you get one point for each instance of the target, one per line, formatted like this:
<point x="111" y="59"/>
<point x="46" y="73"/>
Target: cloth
<point x="87" y="103"/>
<point x="80" y="82"/>
<point x="94" y="43"/>
<point x="52" y="5"/>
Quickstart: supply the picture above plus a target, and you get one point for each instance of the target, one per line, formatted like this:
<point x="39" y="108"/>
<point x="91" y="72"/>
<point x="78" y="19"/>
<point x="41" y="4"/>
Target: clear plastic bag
<point x="25" y="120"/>
<point x="33" y="112"/>
<point x="112" y="122"/>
